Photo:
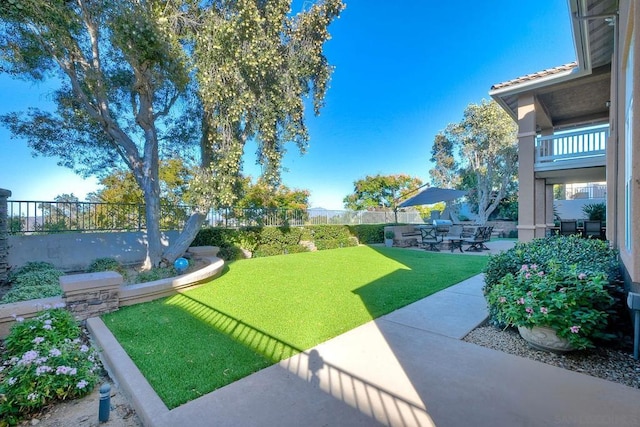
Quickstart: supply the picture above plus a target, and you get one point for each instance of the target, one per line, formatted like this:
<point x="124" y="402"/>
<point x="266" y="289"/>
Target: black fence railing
<point x="54" y="217"/>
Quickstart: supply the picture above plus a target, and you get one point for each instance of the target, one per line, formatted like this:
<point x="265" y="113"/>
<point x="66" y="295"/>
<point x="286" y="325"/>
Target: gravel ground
<point x="606" y="363"/>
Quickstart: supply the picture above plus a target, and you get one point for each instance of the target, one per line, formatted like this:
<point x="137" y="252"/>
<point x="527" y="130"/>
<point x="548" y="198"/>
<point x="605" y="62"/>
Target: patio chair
<point x="430" y="238"/>
<point x="567" y="228"/>
<point x="592" y="229"/>
<point x="455" y="231"/>
<point x="476" y="242"/>
<point x="487" y="237"/>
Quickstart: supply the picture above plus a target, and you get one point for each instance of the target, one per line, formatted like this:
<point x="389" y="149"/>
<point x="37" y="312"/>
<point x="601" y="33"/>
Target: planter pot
<point x="388" y="242"/>
<point x="546" y="339"/>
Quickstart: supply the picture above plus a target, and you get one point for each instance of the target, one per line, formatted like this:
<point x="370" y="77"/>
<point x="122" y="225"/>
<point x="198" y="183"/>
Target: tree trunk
<point x="180" y="246"/>
<point x="152" y="219"/>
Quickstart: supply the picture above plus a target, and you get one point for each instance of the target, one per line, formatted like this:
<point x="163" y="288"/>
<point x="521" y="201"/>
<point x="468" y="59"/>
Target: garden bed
<point x="611" y="364"/>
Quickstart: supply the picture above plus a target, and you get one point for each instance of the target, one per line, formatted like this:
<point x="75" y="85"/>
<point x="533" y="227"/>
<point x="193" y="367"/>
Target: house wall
<point x="623" y="162"/>
<point x="572" y="209"/>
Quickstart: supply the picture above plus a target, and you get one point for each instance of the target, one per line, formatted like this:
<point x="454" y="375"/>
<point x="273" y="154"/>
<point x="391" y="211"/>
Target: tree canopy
<point x="380" y="192"/>
<point x="141" y="81"/>
<point x="478" y="154"/>
<point x="263" y="195"/>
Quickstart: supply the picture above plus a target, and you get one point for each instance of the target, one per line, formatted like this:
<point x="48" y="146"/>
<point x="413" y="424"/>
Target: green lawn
<point x="263" y="310"/>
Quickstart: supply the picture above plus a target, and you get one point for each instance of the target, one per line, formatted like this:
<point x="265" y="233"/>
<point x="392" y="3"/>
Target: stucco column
<point x="549" y="217"/>
<point x="4" y="235"/>
<point x="526" y="178"/>
<point x="540" y="210"/>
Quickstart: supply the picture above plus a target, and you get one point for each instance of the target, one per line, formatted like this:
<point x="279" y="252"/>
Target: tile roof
<point x="535" y="76"/>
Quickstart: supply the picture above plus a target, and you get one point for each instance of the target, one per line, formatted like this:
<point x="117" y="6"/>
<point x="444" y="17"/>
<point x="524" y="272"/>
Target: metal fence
<point x="52" y="217"/>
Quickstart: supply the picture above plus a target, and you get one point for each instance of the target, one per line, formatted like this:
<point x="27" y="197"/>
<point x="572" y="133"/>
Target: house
<point x="576" y="124"/>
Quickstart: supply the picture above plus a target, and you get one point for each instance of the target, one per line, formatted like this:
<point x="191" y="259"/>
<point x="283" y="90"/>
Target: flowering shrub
<point x="572" y="303"/>
<point x="45" y="359"/>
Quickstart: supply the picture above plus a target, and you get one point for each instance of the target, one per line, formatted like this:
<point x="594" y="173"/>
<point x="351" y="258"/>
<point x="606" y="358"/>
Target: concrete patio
<point x="408" y="368"/>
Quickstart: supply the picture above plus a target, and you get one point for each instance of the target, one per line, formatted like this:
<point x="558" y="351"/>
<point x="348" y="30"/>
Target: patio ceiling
<point x="575" y="94"/>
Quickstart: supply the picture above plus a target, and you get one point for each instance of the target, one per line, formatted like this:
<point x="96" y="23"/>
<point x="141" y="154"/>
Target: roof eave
<point x="538" y="83"/>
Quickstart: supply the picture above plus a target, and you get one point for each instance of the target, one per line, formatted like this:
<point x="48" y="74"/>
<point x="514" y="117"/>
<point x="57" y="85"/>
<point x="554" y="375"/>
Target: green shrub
<point x="34" y="284"/>
<point x="230" y="253"/>
<point x="336" y="243"/>
<point x="45" y="360"/>
<point x="156" y="273"/>
<point x="331" y="236"/>
<point x="268" y="241"/>
<point x="278" y="241"/>
<point x="569" y="301"/>
<point x="29" y="267"/>
<point x="588" y="255"/>
<point x="595" y="211"/>
<point x="108" y="264"/>
<point x="105" y="264"/>
<point x="368" y="233"/>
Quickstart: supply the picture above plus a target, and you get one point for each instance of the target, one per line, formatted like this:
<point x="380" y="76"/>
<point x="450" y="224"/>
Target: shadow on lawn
<point x="254" y="338"/>
<point x="311" y="367"/>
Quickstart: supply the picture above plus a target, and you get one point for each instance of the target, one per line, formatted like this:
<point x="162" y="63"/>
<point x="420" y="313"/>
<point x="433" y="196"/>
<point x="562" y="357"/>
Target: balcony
<point x="573" y="150"/>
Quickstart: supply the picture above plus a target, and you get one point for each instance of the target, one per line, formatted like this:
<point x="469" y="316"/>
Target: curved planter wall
<point x="93" y="294"/>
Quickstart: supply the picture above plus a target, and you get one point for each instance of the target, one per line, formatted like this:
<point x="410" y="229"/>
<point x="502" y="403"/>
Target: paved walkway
<point x="408" y="368"/>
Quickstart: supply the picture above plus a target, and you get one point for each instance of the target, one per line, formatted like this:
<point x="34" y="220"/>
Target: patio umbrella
<point x="432" y="195"/>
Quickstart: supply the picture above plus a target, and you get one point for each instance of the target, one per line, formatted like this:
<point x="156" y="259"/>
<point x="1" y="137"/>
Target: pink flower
<point x="66" y="370"/>
<point x="544" y="310"/>
<point x="582" y="276"/>
<point x="521" y="301"/>
<point x="529" y="310"/>
<point x="574" y="329"/>
<point x="541" y="273"/>
<point x="534" y="266"/>
<point x="40" y="370"/>
<point x="524" y="267"/>
<point x="527" y="276"/>
<point x="28" y="357"/>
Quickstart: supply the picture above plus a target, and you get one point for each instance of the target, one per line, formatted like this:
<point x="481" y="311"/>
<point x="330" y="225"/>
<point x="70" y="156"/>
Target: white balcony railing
<point x="584" y="146"/>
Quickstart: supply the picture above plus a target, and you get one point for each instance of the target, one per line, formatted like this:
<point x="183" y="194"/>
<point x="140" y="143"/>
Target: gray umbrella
<point x="432" y="195"/>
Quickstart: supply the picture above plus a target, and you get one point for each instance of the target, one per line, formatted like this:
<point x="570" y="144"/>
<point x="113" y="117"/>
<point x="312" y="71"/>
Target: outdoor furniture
<point x="454" y="242"/>
<point x="476" y="242"/>
<point x="567" y="228"/>
<point x="454" y="237"/>
<point x="487" y="237"/>
<point x="430" y="238"/>
<point x="592" y="229"/>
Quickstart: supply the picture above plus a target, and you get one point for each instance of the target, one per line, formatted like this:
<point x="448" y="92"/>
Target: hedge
<point x="267" y="241"/>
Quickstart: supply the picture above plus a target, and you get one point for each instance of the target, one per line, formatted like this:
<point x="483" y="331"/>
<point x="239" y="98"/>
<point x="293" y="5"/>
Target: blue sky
<point x="404" y="69"/>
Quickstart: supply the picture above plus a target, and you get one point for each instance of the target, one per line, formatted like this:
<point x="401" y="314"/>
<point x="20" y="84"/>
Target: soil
<point x="83" y="412"/>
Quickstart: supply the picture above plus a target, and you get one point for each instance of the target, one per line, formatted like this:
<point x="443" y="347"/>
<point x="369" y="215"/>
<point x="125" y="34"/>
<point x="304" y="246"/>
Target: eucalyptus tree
<point x="479" y="154"/>
<point x="142" y="80"/>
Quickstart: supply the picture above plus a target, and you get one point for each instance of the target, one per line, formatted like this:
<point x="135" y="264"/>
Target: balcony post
<point x="526" y="176"/>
